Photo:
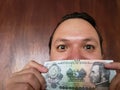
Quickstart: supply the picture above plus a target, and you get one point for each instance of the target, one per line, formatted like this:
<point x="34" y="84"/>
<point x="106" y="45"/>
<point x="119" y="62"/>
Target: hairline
<point x="93" y="23"/>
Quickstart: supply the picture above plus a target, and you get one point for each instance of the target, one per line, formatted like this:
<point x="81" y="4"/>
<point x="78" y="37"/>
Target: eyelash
<point x="61" y="47"/>
<point x="89" y="46"/>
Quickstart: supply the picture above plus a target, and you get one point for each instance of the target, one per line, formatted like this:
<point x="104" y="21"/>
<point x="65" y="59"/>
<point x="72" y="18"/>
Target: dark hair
<point x="83" y="16"/>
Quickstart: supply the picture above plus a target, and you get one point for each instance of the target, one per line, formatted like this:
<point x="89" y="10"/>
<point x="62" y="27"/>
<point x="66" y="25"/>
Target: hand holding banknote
<point x="115" y="83"/>
<point x="16" y="83"/>
<point x="78" y="75"/>
<point x="29" y="78"/>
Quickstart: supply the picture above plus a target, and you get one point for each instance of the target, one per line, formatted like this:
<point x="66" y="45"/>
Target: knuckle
<point x="31" y="62"/>
<point x="30" y="76"/>
<point x="26" y="86"/>
<point x="32" y="70"/>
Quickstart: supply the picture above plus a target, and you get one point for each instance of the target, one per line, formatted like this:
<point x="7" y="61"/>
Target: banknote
<point x="78" y="75"/>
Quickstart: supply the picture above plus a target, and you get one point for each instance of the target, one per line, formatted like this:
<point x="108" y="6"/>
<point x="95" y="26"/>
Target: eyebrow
<point x="89" y="39"/>
<point x="84" y="40"/>
<point x="62" y="40"/>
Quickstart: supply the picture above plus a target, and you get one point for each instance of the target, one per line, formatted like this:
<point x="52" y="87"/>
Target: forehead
<point x="75" y="27"/>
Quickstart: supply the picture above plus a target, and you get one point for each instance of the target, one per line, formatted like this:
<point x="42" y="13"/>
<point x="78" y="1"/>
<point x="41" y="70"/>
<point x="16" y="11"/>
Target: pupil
<point x="62" y="47"/>
<point x="88" y="47"/>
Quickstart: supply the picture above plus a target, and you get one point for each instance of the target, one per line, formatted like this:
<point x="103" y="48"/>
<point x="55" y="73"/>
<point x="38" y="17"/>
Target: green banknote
<point x="78" y="75"/>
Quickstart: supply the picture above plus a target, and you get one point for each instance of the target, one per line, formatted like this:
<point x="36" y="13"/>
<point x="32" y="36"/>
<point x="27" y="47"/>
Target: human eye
<point x="89" y="47"/>
<point x="61" y="48"/>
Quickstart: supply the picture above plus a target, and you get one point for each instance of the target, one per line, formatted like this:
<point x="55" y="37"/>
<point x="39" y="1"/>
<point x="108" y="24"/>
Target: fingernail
<point x="44" y="69"/>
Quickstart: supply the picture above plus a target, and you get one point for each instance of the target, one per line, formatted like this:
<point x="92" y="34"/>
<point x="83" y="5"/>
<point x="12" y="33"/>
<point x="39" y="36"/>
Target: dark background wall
<point x="26" y="25"/>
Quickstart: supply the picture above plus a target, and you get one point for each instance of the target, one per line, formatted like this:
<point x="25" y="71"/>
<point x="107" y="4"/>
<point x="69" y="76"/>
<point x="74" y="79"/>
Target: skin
<point x="73" y="39"/>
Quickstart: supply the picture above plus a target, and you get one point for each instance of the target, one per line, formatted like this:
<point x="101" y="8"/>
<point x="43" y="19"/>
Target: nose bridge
<point x="76" y="53"/>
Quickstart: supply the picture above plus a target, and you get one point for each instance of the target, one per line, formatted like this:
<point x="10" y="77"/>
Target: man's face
<point x="95" y="74"/>
<point x="75" y="39"/>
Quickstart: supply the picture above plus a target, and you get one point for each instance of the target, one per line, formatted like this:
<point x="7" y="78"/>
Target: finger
<point x="115" y="83"/>
<point x="36" y="65"/>
<point x="118" y="86"/>
<point x="19" y="86"/>
<point x="113" y="65"/>
<point x="36" y="73"/>
<point x="29" y="78"/>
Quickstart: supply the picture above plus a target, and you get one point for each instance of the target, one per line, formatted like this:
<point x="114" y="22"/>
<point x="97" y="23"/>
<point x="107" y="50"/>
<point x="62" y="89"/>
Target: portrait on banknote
<point x="99" y="75"/>
<point x="54" y="75"/>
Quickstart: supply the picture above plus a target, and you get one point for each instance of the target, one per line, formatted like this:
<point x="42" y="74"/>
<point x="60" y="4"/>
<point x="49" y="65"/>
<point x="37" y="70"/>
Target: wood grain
<point x="26" y="25"/>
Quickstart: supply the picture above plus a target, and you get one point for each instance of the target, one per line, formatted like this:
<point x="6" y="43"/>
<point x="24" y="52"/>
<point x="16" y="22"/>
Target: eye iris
<point x="62" y="47"/>
<point x="88" y="47"/>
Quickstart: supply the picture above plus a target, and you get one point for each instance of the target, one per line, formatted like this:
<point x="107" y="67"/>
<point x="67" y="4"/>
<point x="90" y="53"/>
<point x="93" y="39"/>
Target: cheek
<point x="99" y="53"/>
<point x="95" y="55"/>
<point x="99" y="56"/>
<point x="57" y="56"/>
